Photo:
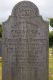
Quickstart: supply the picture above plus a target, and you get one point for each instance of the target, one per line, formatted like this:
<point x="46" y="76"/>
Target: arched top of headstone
<point x="25" y="8"/>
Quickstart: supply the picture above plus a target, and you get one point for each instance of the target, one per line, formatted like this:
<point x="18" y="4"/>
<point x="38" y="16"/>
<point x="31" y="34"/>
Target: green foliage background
<point x="51" y="39"/>
<point x="51" y="22"/>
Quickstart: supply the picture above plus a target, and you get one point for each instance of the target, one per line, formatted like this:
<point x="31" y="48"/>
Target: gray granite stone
<point x="25" y="44"/>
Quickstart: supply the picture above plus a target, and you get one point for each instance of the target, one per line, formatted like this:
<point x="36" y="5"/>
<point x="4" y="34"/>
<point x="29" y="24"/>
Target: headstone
<point x="25" y="44"/>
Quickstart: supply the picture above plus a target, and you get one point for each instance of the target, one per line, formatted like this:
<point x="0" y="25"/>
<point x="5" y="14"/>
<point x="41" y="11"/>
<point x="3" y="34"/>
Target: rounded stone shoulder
<point x="25" y="8"/>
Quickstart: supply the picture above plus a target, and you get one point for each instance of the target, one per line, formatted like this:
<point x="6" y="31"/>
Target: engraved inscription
<point x="25" y="44"/>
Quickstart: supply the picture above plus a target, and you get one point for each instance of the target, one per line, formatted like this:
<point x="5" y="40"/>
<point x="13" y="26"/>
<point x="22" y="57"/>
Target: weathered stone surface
<point x="25" y="44"/>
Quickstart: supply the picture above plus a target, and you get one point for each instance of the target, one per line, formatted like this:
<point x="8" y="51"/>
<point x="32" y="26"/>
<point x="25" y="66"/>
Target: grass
<point x="0" y="68"/>
<point x="50" y="65"/>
